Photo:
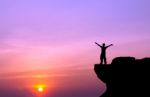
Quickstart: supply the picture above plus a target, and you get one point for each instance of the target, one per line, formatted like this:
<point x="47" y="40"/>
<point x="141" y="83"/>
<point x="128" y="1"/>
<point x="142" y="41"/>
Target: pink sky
<point x="58" y="35"/>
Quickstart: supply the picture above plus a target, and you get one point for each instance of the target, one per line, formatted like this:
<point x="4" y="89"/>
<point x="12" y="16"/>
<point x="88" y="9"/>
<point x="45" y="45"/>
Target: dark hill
<point x="129" y="77"/>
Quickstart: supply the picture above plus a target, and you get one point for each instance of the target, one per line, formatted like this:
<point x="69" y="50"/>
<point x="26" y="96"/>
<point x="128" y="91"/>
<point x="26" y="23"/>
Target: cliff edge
<point x="129" y="77"/>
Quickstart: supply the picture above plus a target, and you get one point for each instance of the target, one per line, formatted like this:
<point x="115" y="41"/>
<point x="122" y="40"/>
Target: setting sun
<point x="40" y="87"/>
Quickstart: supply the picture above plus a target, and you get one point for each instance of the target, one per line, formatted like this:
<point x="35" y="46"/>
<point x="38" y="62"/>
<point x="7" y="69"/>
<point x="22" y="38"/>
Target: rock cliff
<point x="129" y="77"/>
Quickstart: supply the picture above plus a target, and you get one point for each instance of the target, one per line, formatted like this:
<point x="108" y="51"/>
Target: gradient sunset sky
<point x="39" y="36"/>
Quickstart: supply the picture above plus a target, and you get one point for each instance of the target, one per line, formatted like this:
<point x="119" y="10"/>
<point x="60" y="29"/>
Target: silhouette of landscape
<point x="64" y="48"/>
<point x="129" y="77"/>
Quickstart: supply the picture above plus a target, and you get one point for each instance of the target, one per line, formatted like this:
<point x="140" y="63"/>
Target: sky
<point x="44" y="41"/>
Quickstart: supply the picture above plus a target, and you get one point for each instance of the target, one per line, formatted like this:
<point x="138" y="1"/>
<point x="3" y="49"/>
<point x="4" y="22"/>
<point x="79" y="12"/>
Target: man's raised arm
<point x="98" y="44"/>
<point x="109" y="45"/>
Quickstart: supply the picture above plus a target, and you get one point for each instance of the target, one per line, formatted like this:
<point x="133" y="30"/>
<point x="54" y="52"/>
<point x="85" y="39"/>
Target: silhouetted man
<point x="103" y="52"/>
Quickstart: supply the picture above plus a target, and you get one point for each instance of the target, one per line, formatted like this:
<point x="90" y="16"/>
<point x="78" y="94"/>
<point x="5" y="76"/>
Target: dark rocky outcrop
<point x="129" y="77"/>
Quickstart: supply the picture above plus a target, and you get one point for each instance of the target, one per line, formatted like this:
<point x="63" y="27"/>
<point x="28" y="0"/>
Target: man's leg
<point x="105" y="60"/>
<point x="101" y="59"/>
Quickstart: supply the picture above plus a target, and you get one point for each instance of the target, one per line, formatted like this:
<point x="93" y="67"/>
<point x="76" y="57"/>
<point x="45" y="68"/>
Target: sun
<point x="40" y="87"/>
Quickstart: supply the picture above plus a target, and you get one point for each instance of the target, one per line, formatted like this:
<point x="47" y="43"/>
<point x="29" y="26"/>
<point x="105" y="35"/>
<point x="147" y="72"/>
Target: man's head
<point x="103" y="44"/>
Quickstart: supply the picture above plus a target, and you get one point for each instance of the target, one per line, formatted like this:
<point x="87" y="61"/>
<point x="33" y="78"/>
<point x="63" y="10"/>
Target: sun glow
<point x="40" y="87"/>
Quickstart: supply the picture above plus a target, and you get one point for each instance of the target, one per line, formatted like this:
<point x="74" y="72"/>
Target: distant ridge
<point x="129" y="77"/>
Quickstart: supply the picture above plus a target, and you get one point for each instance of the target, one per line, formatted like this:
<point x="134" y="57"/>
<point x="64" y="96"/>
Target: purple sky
<point x="60" y="34"/>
